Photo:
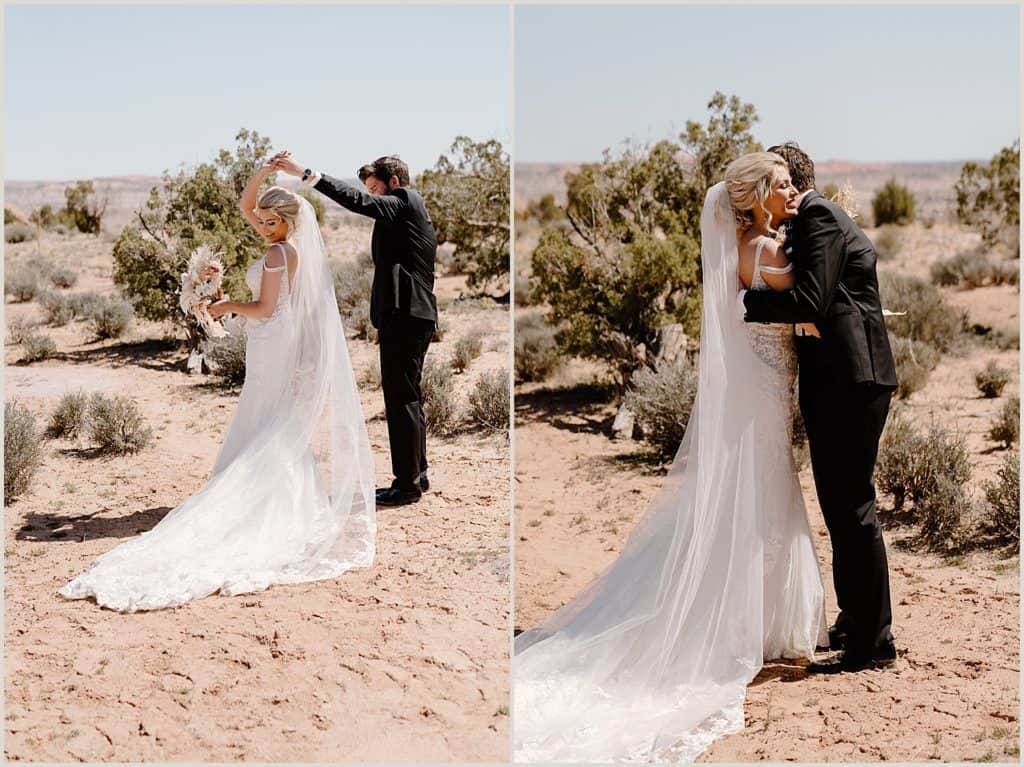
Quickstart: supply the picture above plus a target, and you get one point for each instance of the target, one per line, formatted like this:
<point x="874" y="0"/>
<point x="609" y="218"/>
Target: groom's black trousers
<point x="844" y="425"/>
<point x="403" y="346"/>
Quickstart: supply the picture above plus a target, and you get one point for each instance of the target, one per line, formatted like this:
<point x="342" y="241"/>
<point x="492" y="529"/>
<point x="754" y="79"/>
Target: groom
<point x="846" y="381"/>
<point x="403" y="307"/>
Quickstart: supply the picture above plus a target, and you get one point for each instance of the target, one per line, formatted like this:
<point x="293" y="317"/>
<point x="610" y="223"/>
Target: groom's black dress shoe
<point x="836" y="639"/>
<point x="423" y="482"/>
<point x="398" y="496"/>
<point x="846" y="661"/>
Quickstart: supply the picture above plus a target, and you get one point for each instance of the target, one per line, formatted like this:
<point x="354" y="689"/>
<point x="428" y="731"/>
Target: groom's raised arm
<point x="817" y="275"/>
<point x="381" y="207"/>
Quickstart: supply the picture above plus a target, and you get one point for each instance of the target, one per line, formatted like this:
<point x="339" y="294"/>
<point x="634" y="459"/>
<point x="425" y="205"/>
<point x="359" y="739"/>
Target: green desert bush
<point x="112" y="318"/>
<point x="116" y="424"/>
<point x="18" y="232"/>
<point x="467" y="349"/>
<point x="226" y="355"/>
<point x="68" y="418"/>
<point x="893" y="204"/>
<point x="524" y="296"/>
<point x="929" y="319"/>
<point x="911" y="461"/>
<point x="23" y="451"/>
<point x="22" y="284"/>
<point x="439" y="406"/>
<point x="489" y="401"/>
<point x="991" y="380"/>
<point x="37" y="346"/>
<point x="662" y="399"/>
<point x="915" y="361"/>
<point x="537" y="352"/>
<point x="1001" y="519"/>
<point x="1006" y="427"/>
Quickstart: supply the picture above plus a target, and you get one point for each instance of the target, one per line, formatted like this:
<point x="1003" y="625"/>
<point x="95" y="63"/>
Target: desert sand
<point x="954" y="692"/>
<point x="405" y="660"/>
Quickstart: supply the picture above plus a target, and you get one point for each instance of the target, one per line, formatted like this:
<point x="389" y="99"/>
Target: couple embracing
<point x="651" y="661"/>
<point x="291" y="496"/>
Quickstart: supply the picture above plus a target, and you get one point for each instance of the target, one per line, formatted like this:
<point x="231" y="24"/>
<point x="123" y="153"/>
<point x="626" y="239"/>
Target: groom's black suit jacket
<point x="837" y="289"/>
<point x="403" y="246"/>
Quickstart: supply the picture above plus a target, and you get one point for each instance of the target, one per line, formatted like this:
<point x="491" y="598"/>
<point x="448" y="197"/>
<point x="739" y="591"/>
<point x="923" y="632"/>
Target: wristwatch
<point x="306" y="173"/>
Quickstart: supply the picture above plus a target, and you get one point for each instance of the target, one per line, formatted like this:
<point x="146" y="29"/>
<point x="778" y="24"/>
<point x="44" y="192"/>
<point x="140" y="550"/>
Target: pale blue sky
<point x="122" y="89"/>
<point x="863" y="83"/>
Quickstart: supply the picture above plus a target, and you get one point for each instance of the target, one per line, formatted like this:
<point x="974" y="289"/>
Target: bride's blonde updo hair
<point x="748" y="180"/>
<point x="280" y="201"/>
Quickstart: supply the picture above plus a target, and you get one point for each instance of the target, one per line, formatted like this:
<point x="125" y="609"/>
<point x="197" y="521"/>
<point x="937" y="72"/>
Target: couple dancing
<point x="291" y="495"/>
<point x="651" y="661"/>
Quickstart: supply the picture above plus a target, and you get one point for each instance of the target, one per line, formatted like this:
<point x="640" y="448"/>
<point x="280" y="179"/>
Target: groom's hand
<point x="283" y="161"/>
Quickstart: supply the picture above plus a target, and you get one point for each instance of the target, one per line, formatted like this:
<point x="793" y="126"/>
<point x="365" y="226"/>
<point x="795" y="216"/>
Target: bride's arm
<point x="250" y="195"/>
<point x="270" y="289"/>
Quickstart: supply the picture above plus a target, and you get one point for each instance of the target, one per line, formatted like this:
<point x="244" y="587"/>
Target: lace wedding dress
<point x="651" y="661"/>
<point x="291" y="495"/>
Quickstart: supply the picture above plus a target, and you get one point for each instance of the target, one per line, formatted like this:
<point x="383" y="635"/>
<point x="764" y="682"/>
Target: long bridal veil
<point x="291" y="496"/>
<point x="651" y="661"/>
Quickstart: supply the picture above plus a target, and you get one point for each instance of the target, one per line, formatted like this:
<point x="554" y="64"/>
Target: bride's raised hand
<point x="283" y="161"/>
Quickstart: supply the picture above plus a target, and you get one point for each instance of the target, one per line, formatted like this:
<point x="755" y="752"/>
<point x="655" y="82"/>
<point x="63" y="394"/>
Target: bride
<point x="291" y="495"/>
<point x="651" y="661"/>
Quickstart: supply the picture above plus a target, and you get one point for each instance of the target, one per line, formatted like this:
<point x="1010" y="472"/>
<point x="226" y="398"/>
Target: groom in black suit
<point x="403" y="307"/>
<point x="846" y="381"/>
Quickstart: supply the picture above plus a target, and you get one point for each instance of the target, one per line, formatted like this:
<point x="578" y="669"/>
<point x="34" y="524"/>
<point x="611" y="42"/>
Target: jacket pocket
<point x="847" y="341"/>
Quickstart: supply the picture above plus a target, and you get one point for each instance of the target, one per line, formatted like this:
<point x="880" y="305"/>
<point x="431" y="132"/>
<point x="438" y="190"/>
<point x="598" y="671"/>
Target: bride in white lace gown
<point x="291" y="495"/>
<point x="651" y="661"/>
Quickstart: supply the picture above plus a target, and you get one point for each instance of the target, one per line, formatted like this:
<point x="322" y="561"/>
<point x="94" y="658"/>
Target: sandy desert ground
<point x="954" y="694"/>
<point x="406" y="660"/>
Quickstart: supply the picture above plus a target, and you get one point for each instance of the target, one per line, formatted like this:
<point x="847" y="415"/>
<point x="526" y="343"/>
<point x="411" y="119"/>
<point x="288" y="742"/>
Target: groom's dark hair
<point x="801" y="169"/>
<point x="384" y="168"/>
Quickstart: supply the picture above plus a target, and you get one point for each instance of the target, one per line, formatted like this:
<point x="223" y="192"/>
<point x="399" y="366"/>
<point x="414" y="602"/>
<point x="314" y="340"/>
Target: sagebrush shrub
<point x="37" y="346"/>
<point x="888" y="240"/>
<point x="23" y="451"/>
<point x="929" y="317"/>
<point x="69" y="417"/>
<point x="18" y="232"/>
<point x="57" y="307"/>
<point x="352" y="283"/>
<point x="21" y="284"/>
<point x="1001" y="520"/>
<point x="537" y="354"/>
<point x="85" y="304"/>
<point x="991" y="380"/>
<point x="523" y="294"/>
<point x="112" y="318"/>
<point x="226" y="355"/>
<point x="942" y="516"/>
<point x="662" y="399"/>
<point x="970" y="268"/>
<point x="915" y="360"/>
<point x="489" y="401"/>
<point x="63" y="276"/>
<point x="1006" y="427"/>
<point x="466" y="350"/>
<point x="911" y="461"/>
<point x="438" y="390"/>
<point x="20" y="327"/>
<point x="116" y="424"/>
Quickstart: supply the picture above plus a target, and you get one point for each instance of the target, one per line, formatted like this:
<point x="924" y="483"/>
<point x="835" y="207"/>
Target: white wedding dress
<point x="651" y="661"/>
<point x="291" y="495"/>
